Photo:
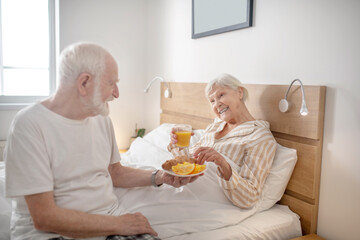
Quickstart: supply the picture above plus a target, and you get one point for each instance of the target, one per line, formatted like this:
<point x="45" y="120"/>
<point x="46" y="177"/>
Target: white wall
<point x="120" y="27"/>
<point x="316" y="41"/>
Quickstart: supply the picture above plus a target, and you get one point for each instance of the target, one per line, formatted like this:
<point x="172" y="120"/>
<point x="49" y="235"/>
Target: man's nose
<point x="116" y="91"/>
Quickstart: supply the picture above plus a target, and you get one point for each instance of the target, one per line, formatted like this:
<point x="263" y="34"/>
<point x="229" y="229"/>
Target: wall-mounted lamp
<point x="167" y="92"/>
<point x="284" y="104"/>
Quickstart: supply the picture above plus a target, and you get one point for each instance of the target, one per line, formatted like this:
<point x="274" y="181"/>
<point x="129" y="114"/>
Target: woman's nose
<point x="218" y="103"/>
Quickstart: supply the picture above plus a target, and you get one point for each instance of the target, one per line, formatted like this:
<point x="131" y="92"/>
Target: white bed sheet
<point x="190" y="212"/>
<point x="278" y="222"/>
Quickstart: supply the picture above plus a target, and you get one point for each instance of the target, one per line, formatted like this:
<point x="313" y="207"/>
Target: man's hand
<point x="134" y="224"/>
<point x="163" y="177"/>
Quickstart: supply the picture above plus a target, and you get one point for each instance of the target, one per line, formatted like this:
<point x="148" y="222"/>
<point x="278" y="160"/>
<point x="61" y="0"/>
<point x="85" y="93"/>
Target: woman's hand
<point x="173" y="140"/>
<point x="208" y="154"/>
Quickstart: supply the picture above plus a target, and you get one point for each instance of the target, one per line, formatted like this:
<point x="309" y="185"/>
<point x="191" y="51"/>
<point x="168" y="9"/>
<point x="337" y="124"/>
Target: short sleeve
<point x="27" y="165"/>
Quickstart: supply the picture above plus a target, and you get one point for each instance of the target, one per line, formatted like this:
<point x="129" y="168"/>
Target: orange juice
<point x="183" y="138"/>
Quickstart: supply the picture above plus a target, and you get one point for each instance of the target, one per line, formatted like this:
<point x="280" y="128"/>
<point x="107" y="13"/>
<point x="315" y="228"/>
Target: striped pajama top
<point x="251" y="146"/>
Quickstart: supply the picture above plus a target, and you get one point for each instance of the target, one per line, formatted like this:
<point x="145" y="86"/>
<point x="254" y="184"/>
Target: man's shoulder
<point x="27" y="113"/>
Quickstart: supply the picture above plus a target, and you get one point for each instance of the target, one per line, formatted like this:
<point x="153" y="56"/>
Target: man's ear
<point x="84" y="82"/>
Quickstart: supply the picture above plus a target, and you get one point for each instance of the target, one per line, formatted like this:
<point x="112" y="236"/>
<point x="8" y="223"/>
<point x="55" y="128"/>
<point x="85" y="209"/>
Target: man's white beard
<point x="100" y="107"/>
<point x="97" y="106"/>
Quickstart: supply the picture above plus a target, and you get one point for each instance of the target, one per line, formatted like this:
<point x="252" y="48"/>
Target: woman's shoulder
<point x="262" y="130"/>
<point x="262" y="124"/>
<point x="253" y="128"/>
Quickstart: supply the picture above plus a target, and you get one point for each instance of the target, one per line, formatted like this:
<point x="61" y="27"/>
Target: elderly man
<point x="62" y="159"/>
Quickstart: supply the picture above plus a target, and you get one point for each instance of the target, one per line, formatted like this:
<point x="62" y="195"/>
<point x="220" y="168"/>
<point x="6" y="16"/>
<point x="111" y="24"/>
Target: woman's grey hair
<point x="226" y="80"/>
<point x="79" y="58"/>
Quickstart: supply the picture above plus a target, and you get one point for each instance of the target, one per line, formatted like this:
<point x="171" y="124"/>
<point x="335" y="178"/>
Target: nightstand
<point x="312" y="236"/>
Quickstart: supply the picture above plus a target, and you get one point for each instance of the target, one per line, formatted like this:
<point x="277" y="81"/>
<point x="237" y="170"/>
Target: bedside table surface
<point x="312" y="236"/>
<point x="123" y="150"/>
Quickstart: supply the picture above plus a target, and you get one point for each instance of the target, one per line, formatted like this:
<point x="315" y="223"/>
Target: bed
<point x="289" y="204"/>
<point x="303" y="133"/>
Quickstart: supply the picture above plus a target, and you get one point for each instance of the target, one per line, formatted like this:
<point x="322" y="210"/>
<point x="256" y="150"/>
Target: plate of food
<point x="183" y="166"/>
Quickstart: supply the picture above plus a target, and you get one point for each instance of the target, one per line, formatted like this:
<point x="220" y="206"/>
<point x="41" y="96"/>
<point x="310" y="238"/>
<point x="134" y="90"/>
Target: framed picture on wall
<point x="211" y="17"/>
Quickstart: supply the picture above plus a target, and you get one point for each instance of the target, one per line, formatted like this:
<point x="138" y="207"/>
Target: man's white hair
<point x="79" y="58"/>
<point x="226" y="80"/>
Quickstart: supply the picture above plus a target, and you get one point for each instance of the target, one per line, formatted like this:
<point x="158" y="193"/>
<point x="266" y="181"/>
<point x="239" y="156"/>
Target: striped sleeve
<point x="243" y="189"/>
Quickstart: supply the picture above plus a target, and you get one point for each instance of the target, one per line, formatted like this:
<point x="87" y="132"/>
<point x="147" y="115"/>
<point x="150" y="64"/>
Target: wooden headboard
<point x="188" y="104"/>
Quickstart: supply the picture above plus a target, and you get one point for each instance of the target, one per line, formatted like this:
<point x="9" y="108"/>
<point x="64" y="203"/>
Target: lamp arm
<point x="167" y="92"/>
<point x="302" y="89"/>
<point x="151" y="82"/>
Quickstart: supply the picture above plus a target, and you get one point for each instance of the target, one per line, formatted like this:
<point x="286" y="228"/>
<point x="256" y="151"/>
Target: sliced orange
<point x="183" y="168"/>
<point x="198" y="168"/>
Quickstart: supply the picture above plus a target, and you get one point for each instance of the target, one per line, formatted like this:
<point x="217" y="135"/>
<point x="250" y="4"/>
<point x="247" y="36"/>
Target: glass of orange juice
<point x="183" y="134"/>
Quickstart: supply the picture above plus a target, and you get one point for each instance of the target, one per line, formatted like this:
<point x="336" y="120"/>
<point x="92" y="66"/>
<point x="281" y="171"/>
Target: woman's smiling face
<point x="226" y="102"/>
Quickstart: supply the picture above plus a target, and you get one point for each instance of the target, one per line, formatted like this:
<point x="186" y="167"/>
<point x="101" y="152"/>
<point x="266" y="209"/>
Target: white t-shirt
<point x="47" y="152"/>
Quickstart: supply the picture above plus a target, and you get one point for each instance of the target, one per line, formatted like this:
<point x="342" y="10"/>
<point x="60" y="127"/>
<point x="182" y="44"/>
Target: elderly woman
<point x="242" y="147"/>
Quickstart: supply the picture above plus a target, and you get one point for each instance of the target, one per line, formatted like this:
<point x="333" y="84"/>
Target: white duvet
<point x="197" y="207"/>
<point x="200" y="208"/>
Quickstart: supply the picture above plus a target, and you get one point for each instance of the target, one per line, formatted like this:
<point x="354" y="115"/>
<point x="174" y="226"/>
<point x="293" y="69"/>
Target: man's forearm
<point x="77" y="224"/>
<point x="85" y="225"/>
<point x="128" y="177"/>
<point x="48" y="217"/>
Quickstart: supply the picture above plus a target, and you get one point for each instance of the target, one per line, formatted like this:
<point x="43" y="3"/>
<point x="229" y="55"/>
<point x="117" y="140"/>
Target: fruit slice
<point x="183" y="168"/>
<point x="198" y="168"/>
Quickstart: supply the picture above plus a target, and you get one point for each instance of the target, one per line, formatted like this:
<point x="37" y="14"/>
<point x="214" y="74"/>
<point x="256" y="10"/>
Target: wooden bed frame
<point x="188" y="104"/>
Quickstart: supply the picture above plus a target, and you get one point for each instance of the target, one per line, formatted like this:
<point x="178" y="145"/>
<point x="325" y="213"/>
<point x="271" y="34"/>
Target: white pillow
<point x="145" y="153"/>
<point x="160" y="136"/>
<point x="279" y="176"/>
